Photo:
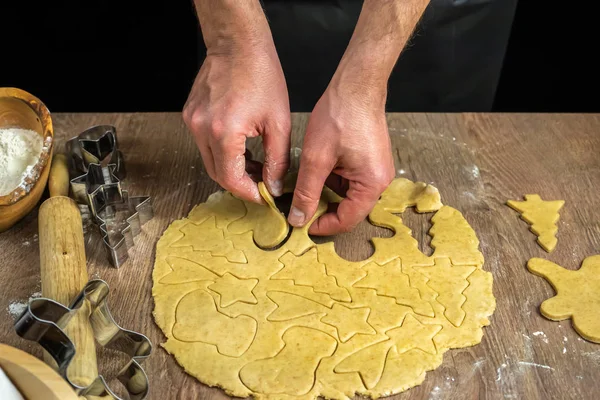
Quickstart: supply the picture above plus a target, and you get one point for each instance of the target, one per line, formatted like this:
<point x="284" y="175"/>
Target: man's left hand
<point x="347" y="147"/>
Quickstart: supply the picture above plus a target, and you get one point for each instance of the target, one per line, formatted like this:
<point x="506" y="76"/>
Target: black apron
<point x="452" y="63"/>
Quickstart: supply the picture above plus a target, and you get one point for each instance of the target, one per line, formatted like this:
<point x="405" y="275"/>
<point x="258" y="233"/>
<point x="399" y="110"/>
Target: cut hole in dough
<point x="419" y="224"/>
<point x="350" y="245"/>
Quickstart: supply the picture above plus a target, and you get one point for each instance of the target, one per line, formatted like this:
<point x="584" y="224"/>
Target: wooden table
<point x="478" y="161"/>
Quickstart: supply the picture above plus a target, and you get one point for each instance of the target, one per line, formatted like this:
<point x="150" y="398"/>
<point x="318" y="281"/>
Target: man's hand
<point x="240" y="92"/>
<point x="347" y="146"/>
<point x="348" y="137"/>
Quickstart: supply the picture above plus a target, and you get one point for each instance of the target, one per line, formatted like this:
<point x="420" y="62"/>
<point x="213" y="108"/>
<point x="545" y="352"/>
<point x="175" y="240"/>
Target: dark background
<point x="133" y="55"/>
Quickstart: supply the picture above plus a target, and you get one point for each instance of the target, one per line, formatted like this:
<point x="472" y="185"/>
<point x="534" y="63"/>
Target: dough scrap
<point x="268" y="224"/>
<point x="298" y="320"/>
<point x="577" y="294"/>
<point x="542" y="216"/>
<point x="402" y="193"/>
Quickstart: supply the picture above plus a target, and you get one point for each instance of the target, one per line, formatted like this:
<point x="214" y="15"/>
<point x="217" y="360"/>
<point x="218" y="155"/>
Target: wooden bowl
<point x="19" y="109"/>
<point x="33" y="378"/>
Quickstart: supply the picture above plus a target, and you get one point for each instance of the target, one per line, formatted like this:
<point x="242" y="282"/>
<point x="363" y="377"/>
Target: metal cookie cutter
<point x="96" y="145"/>
<point x="96" y="188"/>
<point x="119" y="216"/>
<point x="43" y="321"/>
<point x="120" y="222"/>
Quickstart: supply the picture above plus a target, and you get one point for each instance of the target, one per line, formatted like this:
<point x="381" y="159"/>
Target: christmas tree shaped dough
<point x="542" y="216"/>
<point x="577" y="294"/>
<point x="299" y="321"/>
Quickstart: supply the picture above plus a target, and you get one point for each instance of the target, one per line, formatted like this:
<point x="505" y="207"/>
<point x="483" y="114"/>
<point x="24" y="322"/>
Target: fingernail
<point x="296" y="217"/>
<point x="277" y="188"/>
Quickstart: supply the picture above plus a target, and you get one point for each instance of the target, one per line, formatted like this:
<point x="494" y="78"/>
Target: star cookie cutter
<point x="96" y="188"/>
<point x="96" y="145"/>
<point x="44" y="320"/>
<point x="118" y="215"/>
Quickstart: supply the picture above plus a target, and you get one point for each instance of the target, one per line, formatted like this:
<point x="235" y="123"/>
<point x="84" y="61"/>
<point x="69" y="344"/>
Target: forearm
<point x="232" y="25"/>
<point x="383" y="29"/>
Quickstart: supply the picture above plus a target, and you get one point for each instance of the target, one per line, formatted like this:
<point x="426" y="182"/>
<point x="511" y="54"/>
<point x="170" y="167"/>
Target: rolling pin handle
<point x="64" y="270"/>
<point x="58" y="180"/>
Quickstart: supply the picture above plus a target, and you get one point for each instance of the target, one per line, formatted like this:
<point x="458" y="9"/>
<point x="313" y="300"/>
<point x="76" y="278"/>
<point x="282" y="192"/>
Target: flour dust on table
<point x="257" y="310"/>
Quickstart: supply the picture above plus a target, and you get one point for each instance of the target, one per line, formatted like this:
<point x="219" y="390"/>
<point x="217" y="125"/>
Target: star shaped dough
<point x="414" y="335"/>
<point x="542" y="216"/>
<point x="349" y="321"/>
<point x="370" y="361"/>
<point x="231" y="289"/>
<point x="577" y="294"/>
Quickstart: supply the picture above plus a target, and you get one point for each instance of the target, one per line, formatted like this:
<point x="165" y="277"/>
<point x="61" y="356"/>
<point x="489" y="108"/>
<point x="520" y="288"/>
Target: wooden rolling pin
<point x="63" y="268"/>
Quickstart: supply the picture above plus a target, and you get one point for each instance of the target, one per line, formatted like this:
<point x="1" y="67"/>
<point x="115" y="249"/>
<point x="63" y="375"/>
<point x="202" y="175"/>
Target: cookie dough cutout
<point x="577" y="294"/>
<point x="292" y="370"/>
<point x="301" y="321"/>
<point x="268" y="224"/>
<point x="403" y="193"/>
<point x="542" y="216"/>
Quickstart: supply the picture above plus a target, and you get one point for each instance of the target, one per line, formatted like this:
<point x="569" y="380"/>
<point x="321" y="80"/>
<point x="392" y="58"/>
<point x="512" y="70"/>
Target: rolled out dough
<point x="298" y="320"/>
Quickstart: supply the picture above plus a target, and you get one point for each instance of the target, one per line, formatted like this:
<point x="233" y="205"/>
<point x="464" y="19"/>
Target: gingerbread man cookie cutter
<point x="44" y="320"/>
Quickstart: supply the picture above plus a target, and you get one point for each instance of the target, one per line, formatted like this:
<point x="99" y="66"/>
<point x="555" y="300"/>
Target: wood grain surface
<point x="478" y="162"/>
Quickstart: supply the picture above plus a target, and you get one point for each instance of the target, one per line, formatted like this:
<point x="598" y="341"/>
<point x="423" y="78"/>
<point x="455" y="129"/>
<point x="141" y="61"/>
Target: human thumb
<point x="312" y="174"/>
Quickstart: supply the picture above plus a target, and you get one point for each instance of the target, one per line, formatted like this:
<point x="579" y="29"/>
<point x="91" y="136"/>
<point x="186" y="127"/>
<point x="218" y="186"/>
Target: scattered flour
<point x="435" y="393"/>
<point x="16" y="308"/>
<point x="530" y="364"/>
<point x="509" y="370"/>
<point x="473" y="172"/>
<point x="542" y="334"/>
<point x="477" y="364"/>
<point x="593" y="356"/>
<point x="20" y="150"/>
<point x="499" y="372"/>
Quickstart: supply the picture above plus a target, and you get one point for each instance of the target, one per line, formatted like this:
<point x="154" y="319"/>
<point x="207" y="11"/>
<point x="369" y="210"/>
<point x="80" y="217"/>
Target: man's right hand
<point x="240" y="92"/>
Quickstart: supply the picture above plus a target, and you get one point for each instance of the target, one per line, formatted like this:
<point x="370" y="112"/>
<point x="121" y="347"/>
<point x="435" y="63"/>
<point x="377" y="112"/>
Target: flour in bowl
<point x="20" y="150"/>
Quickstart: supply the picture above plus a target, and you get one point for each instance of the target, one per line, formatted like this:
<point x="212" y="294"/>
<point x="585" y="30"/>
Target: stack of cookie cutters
<point x="97" y="165"/>
<point x="44" y="319"/>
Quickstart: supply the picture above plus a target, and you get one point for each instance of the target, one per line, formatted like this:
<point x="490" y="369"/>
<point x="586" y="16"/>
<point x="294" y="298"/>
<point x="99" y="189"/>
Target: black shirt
<point x="452" y="63"/>
<point x="143" y="55"/>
